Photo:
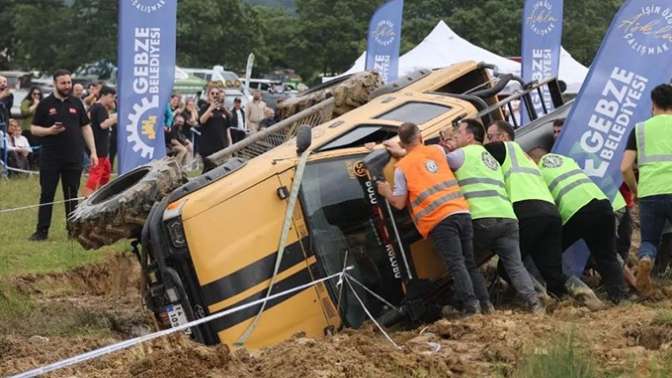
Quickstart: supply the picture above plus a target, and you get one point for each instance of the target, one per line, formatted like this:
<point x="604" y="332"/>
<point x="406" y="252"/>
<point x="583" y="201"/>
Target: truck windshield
<point x="337" y="199"/>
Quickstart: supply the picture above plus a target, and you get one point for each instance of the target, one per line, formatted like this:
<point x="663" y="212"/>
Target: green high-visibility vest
<point x="571" y="188"/>
<point x="654" y="156"/>
<point x="618" y="202"/>
<point x="482" y="183"/>
<point x="522" y="177"/>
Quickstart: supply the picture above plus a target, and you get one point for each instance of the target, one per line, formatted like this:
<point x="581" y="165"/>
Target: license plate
<point x="177" y="316"/>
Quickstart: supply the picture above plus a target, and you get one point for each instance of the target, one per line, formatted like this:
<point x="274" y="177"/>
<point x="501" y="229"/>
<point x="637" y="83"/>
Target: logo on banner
<point x="541" y="19"/>
<point x="148" y="6"/>
<point x="649" y="32"/>
<point x="384" y="33"/>
<point x="142" y="123"/>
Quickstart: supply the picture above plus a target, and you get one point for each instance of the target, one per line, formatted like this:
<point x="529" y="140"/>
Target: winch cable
<point x="287" y="223"/>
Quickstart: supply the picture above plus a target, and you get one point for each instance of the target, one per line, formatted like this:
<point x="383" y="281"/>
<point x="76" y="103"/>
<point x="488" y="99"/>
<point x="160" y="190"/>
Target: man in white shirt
<point x="238" y="122"/>
<point x="18" y="147"/>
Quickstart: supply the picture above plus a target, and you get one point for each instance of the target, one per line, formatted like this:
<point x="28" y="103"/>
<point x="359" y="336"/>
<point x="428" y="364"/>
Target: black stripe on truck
<point x="251" y="275"/>
<point x="297" y="279"/>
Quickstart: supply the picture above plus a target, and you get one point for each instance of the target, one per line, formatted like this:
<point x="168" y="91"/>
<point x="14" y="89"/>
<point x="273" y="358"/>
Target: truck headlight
<point x="173" y="221"/>
<point x="176" y="232"/>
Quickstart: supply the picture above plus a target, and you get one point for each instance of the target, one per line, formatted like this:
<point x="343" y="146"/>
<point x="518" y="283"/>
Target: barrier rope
<point x="141" y="339"/>
<point x="38" y="205"/>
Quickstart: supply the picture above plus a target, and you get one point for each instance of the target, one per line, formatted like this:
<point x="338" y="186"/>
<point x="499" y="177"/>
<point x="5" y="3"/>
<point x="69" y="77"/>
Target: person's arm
<point x="394" y="149"/>
<point x="627" y="168"/>
<point x="87" y="133"/>
<point x="455" y="159"/>
<point x="27" y="109"/>
<point x="206" y="114"/>
<point x="109" y="122"/>
<point x="397" y="197"/>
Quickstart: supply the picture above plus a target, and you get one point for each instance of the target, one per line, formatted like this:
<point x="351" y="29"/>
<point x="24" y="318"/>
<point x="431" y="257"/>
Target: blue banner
<point x="146" y="61"/>
<point x="634" y="57"/>
<point x="540" y="50"/>
<point x="384" y="38"/>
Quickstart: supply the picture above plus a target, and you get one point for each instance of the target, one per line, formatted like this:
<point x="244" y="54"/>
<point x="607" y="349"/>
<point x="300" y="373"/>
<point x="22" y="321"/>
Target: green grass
<point x="562" y="358"/>
<point x="663" y="318"/>
<point x="18" y="255"/>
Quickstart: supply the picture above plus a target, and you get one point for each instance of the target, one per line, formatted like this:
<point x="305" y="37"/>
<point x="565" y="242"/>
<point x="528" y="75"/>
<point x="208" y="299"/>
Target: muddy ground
<point x="98" y="305"/>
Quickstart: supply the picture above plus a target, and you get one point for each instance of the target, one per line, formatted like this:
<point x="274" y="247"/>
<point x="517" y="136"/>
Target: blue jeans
<point x="653" y="212"/>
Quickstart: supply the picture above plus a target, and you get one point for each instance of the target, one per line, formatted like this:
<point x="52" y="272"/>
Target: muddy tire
<point x="349" y="92"/>
<point x="118" y="210"/>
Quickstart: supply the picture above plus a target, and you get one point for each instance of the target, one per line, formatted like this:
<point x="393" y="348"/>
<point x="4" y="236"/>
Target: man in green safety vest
<point x="586" y="214"/>
<point x="494" y="221"/>
<point x="651" y="145"/>
<point x="539" y="221"/>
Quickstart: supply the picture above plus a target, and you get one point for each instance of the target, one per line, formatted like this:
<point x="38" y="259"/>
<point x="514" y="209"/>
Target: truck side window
<point x="416" y="112"/>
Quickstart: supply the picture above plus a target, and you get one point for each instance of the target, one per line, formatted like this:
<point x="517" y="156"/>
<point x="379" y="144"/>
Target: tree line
<point x="314" y="37"/>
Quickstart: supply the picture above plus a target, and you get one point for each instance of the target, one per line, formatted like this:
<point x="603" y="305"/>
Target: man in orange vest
<point x="423" y="180"/>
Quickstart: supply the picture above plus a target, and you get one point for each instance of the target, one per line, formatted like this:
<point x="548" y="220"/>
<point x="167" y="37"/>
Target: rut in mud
<point x="99" y="305"/>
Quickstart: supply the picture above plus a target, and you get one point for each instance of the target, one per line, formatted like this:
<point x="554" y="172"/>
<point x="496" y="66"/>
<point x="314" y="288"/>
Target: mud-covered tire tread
<point x="97" y="222"/>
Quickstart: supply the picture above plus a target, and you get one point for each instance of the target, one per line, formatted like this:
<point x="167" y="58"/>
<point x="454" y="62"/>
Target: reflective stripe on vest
<point x="515" y="165"/>
<point x="522" y="177"/>
<point x="644" y="157"/>
<point x="433" y="193"/>
<point x="435" y="205"/>
<point x="481" y="180"/>
<point x="483" y="185"/>
<point x="654" y="155"/>
<point x="571" y="188"/>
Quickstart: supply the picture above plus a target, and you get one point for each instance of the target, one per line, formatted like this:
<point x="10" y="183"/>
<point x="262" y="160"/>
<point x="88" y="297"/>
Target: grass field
<point x="17" y="254"/>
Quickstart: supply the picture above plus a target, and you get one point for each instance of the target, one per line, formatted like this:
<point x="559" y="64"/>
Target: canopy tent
<point x="443" y="47"/>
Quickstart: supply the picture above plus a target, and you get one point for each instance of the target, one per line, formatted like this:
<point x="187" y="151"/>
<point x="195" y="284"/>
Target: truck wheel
<point x="118" y="210"/>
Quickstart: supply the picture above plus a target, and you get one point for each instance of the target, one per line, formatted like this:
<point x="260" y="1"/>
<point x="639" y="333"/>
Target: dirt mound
<point x="118" y="275"/>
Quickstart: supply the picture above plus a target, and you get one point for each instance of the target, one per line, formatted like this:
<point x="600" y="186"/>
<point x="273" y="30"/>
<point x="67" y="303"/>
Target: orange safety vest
<point x="433" y="192"/>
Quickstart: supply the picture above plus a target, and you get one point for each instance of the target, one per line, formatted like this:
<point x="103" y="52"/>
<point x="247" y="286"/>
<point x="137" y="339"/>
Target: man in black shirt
<point x="61" y="121"/>
<point x="540" y="225"/>
<point x="101" y="124"/>
<point x="214" y="127"/>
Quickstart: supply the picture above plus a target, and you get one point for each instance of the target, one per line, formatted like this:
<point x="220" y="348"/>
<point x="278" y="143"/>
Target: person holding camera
<point x="214" y="126"/>
<point x="63" y="126"/>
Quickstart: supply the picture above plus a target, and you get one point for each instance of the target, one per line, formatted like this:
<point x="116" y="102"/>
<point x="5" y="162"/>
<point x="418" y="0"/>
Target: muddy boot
<point x="644" y="284"/>
<point x="537" y="308"/>
<point x="487" y="308"/>
<point x="542" y="293"/>
<point x="584" y="295"/>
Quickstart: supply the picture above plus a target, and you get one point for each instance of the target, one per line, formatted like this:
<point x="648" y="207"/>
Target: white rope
<point x="38" y="205"/>
<point x="378" y="297"/>
<point x="18" y="170"/>
<point x="347" y="278"/>
<point x="141" y="339"/>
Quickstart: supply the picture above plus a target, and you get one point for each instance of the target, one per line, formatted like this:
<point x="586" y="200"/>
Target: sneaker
<point x="38" y="236"/>
<point x="583" y="294"/>
<point x="644" y="284"/>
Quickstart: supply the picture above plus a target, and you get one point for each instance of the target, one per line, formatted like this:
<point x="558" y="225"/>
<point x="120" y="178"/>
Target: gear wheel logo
<point x="137" y="125"/>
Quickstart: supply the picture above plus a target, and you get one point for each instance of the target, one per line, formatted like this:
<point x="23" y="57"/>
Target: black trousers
<point x="624" y="235"/>
<point x="50" y="173"/>
<point x="541" y="239"/>
<point x="595" y="224"/>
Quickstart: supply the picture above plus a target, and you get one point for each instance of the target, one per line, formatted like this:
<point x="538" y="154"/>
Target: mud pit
<point x="97" y="306"/>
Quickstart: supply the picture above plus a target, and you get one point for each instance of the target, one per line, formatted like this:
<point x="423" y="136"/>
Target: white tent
<point x="443" y="47"/>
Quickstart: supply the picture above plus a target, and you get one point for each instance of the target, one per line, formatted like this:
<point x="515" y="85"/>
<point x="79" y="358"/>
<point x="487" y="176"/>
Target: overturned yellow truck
<point x="212" y="244"/>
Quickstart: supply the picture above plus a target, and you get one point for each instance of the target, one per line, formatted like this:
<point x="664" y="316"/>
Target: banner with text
<point x="384" y="38"/>
<point x="540" y="50"/>
<point x="634" y="57"/>
<point x="146" y="61"/>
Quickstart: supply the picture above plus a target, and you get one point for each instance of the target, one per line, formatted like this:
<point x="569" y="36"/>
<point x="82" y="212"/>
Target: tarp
<point x="443" y="47"/>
